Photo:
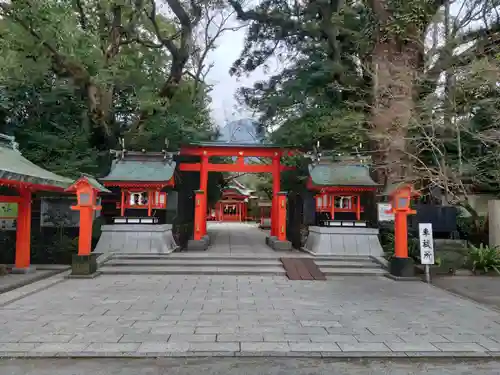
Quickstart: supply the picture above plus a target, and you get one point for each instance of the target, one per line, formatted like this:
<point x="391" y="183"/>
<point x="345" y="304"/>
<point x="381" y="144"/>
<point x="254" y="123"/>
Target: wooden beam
<point x="263" y="152"/>
<point x="9" y="199"/>
<point x="245" y="168"/>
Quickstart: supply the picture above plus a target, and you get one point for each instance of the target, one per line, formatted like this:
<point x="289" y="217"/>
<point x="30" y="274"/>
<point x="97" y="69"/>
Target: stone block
<point x="281" y="245"/>
<point x="83" y="264"/>
<point x="363" y="347"/>
<point x="214" y="346"/>
<point x="30" y="269"/>
<point x="459" y="347"/>
<point x="343" y="241"/>
<point x="198" y="245"/>
<point x="314" y="347"/>
<point x="412" y="347"/>
<point x="265" y="347"/>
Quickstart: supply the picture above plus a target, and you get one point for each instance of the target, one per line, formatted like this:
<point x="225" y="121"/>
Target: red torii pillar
<point x="276" y="165"/>
<point x="203" y="190"/>
<point x="23" y="232"/>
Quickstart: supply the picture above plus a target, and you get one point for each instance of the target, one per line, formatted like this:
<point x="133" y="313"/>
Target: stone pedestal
<point x="277" y="245"/>
<point x="402" y="267"/>
<point x="137" y="238"/>
<point x="199" y="245"/>
<point x="30" y="269"/>
<point x="343" y="241"/>
<point x="84" y="265"/>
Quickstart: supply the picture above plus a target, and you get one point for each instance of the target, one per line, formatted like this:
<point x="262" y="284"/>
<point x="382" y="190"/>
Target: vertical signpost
<point x="426" y="248"/>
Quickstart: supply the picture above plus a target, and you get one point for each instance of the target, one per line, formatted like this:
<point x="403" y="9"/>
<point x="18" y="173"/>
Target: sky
<point x="224" y="104"/>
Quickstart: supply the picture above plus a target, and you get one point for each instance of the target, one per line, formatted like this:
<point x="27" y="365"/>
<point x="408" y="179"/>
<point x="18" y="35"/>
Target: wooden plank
<point x="314" y="269"/>
<point x="303" y="271"/>
<point x="290" y="268"/>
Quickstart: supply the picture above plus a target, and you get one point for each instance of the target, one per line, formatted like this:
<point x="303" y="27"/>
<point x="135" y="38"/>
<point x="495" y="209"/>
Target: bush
<point x="474" y="231"/>
<point x="387" y="241"/>
<point x="483" y="259"/>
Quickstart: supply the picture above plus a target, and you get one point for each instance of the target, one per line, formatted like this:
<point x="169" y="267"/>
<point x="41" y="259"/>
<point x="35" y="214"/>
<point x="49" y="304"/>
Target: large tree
<point x="126" y="59"/>
<point x="389" y="54"/>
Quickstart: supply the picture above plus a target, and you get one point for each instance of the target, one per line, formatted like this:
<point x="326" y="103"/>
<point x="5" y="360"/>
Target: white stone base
<point x="343" y="241"/>
<point x="136" y="238"/>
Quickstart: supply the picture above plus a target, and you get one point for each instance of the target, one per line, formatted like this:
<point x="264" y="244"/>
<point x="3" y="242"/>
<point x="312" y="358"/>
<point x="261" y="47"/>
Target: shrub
<point x="483" y="259"/>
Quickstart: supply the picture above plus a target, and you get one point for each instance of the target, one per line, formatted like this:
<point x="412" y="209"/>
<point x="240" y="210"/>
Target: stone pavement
<point x="244" y="366"/>
<point x="246" y="316"/>
<point x="238" y="239"/>
<point x="483" y="289"/>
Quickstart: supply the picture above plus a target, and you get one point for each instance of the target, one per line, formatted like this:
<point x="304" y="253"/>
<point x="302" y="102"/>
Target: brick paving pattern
<point x="229" y="315"/>
<point x="201" y="315"/>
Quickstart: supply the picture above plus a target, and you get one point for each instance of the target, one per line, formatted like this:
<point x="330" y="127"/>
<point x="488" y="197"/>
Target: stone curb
<point x="33" y="280"/>
<point x="32" y="288"/>
<point x="205" y="354"/>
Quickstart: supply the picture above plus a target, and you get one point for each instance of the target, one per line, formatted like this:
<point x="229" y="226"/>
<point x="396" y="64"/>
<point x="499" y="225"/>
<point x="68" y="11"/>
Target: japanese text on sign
<point x="426" y="243"/>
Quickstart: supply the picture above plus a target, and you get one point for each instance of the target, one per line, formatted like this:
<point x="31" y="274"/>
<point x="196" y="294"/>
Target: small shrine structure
<point x="19" y="179"/>
<point x="342" y="187"/>
<point x="265" y="214"/>
<point x="233" y="205"/>
<point x="139" y="183"/>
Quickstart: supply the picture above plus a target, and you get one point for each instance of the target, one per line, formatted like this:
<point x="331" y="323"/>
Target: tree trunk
<point x="395" y="66"/>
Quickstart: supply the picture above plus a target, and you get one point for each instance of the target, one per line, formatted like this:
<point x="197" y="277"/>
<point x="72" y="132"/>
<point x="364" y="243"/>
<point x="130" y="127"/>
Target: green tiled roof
<point x="96" y="184"/>
<point x="333" y="174"/>
<point x="15" y="167"/>
<point x="146" y="170"/>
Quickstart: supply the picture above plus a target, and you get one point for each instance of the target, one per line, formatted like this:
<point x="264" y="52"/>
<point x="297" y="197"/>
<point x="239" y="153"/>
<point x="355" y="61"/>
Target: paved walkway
<point x="482" y="289"/>
<point x="242" y="366"/>
<point x="210" y="315"/>
<point x="238" y="239"/>
<point x="172" y="315"/>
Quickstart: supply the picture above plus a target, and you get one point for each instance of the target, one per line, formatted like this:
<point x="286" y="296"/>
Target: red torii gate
<point x="205" y="150"/>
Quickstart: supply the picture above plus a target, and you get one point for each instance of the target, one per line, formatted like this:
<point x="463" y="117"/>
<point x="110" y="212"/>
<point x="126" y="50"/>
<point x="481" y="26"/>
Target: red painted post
<point x="85" y="235"/>
<point x="204" y="189"/>
<point x="401" y="265"/>
<point x="276" y="188"/>
<point x="23" y="231"/>
<point x="198" y="215"/>
<point x="281" y="228"/>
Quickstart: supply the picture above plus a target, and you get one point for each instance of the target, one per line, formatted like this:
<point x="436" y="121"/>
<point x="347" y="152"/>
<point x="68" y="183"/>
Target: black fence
<point x="442" y="218"/>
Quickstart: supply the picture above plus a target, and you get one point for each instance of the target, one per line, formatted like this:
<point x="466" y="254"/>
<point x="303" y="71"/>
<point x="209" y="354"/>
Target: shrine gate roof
<point x="15" y="169"/>
<point x="333" y="174"/>
<point x="141" y="169"/>
<point x="233" y="144"/>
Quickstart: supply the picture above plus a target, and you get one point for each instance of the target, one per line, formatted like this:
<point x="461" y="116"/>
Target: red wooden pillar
<point x="122" y="208"/>
<point x="358" y="207"/>
<point x="23" y="231"/>
<point x="203" y="189"/>
<point x="276" y="165"/>
<point x="332" y="208"/>
<point x="150" y="202"/>
<point x="198" y="215"/>
<point x="281" y="225"/>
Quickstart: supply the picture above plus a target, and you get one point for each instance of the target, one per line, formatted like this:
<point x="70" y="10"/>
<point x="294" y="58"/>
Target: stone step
<point x="343" y="258"/>
<point x="327" y="264"/>
<point x="194" y="262"/>
<point x="330" y="272"/>
<point x="200" y="256"/>
<point x="185" y="270"/>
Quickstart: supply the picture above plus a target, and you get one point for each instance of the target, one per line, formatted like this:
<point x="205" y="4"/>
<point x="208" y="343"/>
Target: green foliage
<point x="68" y="96"/>
<point x="484" y="259"/>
